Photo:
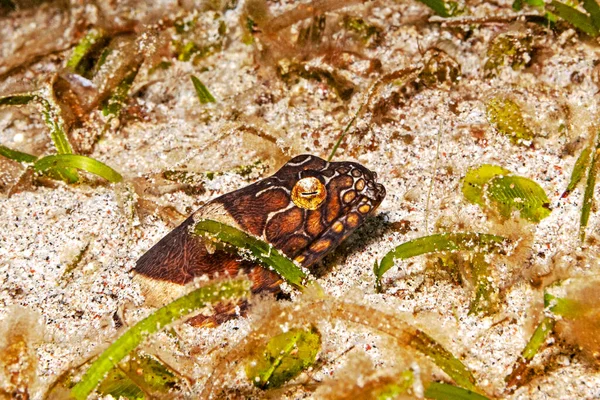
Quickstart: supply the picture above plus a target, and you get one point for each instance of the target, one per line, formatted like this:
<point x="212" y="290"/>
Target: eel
<point x="305" y="210"/>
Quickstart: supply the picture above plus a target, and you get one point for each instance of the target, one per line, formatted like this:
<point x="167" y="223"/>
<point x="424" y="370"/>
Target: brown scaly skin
<point x="264" y="209"/>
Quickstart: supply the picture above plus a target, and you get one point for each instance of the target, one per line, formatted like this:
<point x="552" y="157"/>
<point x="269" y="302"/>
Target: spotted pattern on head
<point x="349" y="190"/>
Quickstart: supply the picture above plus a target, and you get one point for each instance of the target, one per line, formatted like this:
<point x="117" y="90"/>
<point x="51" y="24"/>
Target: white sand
<point x="43" y="230"/>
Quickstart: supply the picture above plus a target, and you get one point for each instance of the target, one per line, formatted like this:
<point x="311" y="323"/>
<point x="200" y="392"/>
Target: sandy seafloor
<point x="42" y="230"/>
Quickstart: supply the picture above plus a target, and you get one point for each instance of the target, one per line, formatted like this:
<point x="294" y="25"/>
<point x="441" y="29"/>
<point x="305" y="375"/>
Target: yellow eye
<point x="309" y="193"/>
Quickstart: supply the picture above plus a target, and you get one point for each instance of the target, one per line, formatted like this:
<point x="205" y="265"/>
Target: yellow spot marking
<point x="300" y="259"/>
<point x="349" y="196"/>
<point x="360" y="185"/>
<point x="353" y="220"/>
<point x="365" y="208"/>
<point x="337" y="227"/>
<point x="320" y="245"/>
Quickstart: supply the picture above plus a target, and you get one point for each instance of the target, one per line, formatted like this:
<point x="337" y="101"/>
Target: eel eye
<point x="309" y="193"/>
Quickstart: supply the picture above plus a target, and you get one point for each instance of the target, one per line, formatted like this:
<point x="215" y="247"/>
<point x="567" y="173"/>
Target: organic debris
<point x="507" y="117"/>
<point x="283" y="358"/>
<point x="20" y="333"/>
<point x="494" y="189"/>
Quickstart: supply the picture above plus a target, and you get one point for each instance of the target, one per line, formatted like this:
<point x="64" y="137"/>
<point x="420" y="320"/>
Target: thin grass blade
<point x="444" y="359"/>
<point x="538" y="338"/>
<point x="486" y="296"/>
<point x="85" y="46"/>
<point x="54" y="122"/>
<point x="265" y="253"/>
<point x="173" y="311"/>
<point x="444" y="391"/>
<point x="16" y="155"/>
<point x="65" y="161"/>
<point x="581" y="165"/>
<point x="203" y="94"/>
<point x="439" y="6"/>
<point x="591" y="6"/>
<point x="50" y="112"/>
<point x="17" y="99"/>
<point x="588" y="195"/>
<point x="535" y="344"/>
<point x="564" y="307"/>
<point x="114" y="104"/>
<point x="575" y="17"/>
<point x="339" y="141"/>
<point x="480" y="242"/>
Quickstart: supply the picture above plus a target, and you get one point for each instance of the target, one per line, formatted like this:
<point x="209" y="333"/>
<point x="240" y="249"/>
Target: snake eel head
<point x="308" y="207"/>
